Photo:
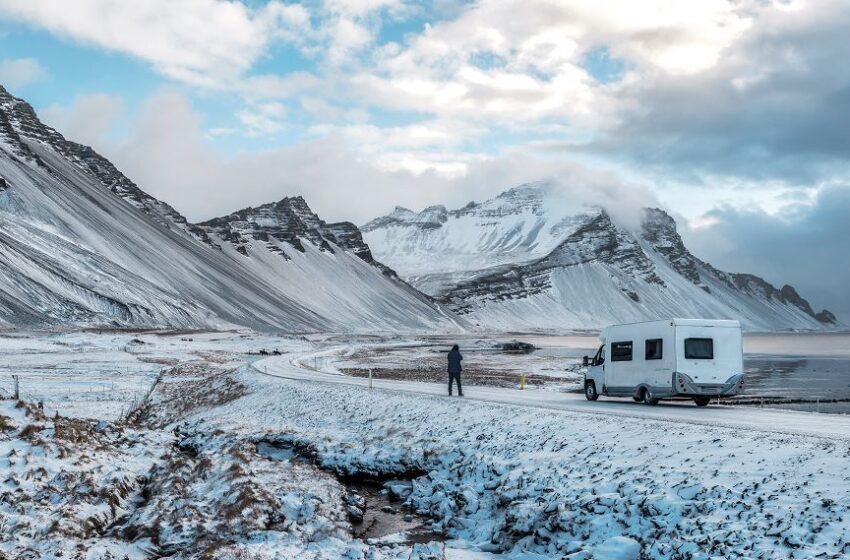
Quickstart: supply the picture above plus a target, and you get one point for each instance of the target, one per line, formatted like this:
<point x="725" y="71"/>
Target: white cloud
<point x="448" y="165"/>
<point x="262" y="119"/>
<point x="347" y="37"/>
<point x="167" y="155"/>
<point x="198" y="41"/>
<point x="219" y="131"/>
<point x="19" y="72"/>
<point x="275" y="86"/>
<point x="349" y="28"/>
<point x="423" y="134"/>
<point x="505" y="61"/>
<point x="495" y="66"/>
<point x="523" y="60"/>
<point x="417" y="148"/>
<point x="87" y="120"/>
<point x="362" y="8"/>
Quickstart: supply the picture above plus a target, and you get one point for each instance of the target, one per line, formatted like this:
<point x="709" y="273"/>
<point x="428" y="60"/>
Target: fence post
<point x="17" y="388"/>
<point x="370" y="378"/>
<point x="521" y="381"/>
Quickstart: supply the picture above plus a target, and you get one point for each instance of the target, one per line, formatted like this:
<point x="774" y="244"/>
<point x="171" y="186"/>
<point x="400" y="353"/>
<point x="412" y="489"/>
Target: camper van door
<point x="658" y="349"/>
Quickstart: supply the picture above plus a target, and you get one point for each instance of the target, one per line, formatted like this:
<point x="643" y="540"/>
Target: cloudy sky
<point x="733" y="115"/>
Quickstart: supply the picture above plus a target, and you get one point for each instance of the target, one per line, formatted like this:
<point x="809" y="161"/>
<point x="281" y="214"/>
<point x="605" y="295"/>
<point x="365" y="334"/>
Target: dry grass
<point x="217" y="357"/>
<point x="31" y="410"/>
<point x="186" y="389"/>
<point x="6" y="424"/>
<point x="30" y="430"/>
<point x="158" y="360"/>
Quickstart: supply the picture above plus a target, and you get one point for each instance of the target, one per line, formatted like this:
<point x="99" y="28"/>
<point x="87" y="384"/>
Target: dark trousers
<point x="455" y="377"/>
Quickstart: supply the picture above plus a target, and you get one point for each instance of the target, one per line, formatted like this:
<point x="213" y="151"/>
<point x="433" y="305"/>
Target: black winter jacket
<point x="454" y="362"/>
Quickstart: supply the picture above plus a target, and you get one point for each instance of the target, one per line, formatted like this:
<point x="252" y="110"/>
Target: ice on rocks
<point x="428" y="551"/>
<point x="617" y="548"/>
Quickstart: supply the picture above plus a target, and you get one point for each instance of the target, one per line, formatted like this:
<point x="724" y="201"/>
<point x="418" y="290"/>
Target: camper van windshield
<point x="599" y="358"/>
<point x="699" y="348"/>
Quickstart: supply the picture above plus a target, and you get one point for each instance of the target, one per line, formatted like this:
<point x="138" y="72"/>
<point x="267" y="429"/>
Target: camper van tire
<point x="648" y="398"/>
<point x="702" y="401"/>
<point x="590" y="391"/>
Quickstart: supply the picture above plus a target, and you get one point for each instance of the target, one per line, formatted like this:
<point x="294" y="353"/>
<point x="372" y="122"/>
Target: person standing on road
<point x="455" y="369"/>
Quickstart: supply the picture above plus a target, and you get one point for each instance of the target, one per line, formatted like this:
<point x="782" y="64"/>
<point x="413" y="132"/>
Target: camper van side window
<point x="699" y="348"/>
<point x="654" y="349"/>
<point x="621" y="351"/>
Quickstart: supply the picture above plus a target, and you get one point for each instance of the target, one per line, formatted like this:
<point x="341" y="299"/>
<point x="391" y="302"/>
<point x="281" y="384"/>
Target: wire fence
<point x="69" y="389"/>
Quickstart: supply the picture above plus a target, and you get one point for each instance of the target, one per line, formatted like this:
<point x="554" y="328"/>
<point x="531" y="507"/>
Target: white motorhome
<point x="670" y="359"/>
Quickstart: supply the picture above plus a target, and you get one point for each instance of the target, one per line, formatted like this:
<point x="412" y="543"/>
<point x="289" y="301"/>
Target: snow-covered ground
<point x="501" y="473"/>
<point x="520" y="479"/>
<point x="100" y="375"/>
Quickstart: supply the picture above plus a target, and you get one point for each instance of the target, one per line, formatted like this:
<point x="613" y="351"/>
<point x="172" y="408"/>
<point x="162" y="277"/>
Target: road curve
<point x="832" y="426"/>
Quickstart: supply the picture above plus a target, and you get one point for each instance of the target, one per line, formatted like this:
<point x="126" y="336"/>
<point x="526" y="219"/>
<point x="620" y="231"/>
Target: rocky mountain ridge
<point x="22" y="123"/>
<point x="289" y="220"/>
<point x="561" y="266"/>
<point x="81" y="244"/>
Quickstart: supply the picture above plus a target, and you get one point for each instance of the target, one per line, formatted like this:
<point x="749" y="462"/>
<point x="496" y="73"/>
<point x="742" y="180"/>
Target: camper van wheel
<point x="637" y="398"/>
<point x="590" y="391"/>
<point x="648" y="398"/>
<point x="702" y="401"/>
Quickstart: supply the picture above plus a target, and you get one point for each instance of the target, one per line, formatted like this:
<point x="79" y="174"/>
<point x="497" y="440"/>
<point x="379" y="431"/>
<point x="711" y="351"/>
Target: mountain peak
<point x="296" y="200"/>
<point x="533" y="189"/>
<point x="430" y="217"/>
<point x="287" y="221"/>
<point x="529" y="258"/>
<point x="658" y="219"/>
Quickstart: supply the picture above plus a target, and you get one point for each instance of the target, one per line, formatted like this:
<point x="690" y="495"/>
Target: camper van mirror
<point x="585" y="361"/>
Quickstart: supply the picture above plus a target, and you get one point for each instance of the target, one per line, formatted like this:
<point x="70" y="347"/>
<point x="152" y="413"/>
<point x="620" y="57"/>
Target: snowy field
<point x="197" y="446"/>
<point x="102" y="375"/>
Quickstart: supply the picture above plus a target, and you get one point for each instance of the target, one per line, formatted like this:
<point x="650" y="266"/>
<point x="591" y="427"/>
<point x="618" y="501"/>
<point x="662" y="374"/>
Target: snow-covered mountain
<point x="285" y="224"/>
<point x="529" y="259"/>
<point x="81" y="244"/>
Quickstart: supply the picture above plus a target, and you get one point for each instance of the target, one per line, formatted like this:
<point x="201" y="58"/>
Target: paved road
<point x="831" y="426"/>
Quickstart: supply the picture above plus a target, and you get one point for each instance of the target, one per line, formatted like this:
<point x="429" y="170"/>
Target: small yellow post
<point x="522" y="381"/>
